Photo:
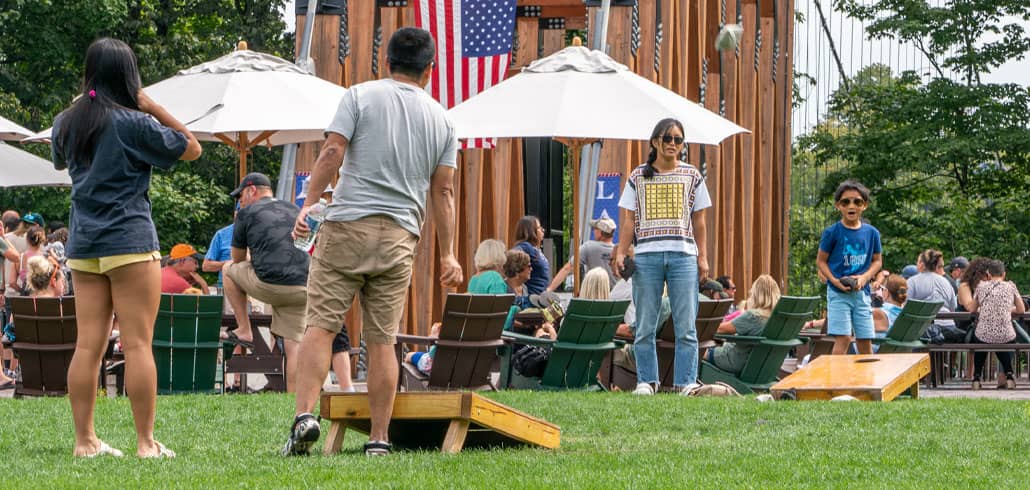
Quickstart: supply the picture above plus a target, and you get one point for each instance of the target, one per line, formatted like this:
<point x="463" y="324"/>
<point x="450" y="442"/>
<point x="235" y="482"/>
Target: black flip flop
<point x="10" y="385"/>
<point x="378" y="448"/>
<point x="233" y="339"/>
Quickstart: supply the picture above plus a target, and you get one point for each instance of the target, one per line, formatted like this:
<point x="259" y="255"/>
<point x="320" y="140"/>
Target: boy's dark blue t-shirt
<point x="110" y="200"/>
<point x="851" y="251"/>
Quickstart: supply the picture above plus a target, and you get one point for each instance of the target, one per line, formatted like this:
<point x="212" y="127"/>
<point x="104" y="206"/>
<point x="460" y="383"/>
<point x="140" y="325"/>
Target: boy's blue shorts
<point x="849" y="312"/>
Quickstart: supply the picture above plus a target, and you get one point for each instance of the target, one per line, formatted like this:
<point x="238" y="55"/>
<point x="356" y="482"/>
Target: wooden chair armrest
<point x="415" y="339"/>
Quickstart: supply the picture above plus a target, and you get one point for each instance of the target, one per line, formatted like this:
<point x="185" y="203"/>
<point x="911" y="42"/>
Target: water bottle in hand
<point x="315" y="217"/>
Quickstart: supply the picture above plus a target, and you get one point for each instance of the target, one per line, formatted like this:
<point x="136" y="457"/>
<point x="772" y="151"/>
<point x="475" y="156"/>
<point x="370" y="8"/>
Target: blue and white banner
<point x="606" y="201"/>
<point x="301" y="188"/>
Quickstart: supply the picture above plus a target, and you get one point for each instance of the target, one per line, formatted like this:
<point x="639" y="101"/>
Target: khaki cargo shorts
<point x="371" y="256"/>
<point x="287" y="302"/>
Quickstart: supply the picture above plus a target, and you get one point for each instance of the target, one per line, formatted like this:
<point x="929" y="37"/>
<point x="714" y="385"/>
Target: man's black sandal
<point x="378" y="448"/>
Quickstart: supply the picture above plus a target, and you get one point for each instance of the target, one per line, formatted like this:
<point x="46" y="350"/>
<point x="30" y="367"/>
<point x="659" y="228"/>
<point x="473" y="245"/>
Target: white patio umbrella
<point x="579" y="96"/>
<point x="9" y="131"/>
<point x="245" y="99"/>
<point x="19" y="168"/>
<point x="583" y="94"/>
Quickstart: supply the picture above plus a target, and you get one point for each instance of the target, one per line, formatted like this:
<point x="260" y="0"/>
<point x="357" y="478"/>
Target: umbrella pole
<point x="576" y="149"/>
<point x="244" y="148"/>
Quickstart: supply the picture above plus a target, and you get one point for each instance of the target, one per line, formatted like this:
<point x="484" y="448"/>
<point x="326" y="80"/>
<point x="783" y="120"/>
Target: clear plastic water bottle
<point x="314" y="219"/>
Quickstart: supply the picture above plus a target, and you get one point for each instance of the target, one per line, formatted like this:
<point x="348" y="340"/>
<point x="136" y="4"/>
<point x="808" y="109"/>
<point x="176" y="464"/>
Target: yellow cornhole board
<point x="880" y="377"/>
<point x="446" y="420"/>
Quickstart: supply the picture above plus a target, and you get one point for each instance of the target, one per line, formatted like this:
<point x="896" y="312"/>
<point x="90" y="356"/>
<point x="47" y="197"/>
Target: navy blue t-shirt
<point x="540" y="276"/>
<point x="851" y="251"/>
<point x="110" y="211"/>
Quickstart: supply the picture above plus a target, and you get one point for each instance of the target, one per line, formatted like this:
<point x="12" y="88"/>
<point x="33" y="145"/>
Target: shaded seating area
<point x="44" y="344"/>
<point x="585" y="337"/>
<point x="186" y="343"/>
<point x="767" y="350"/>
<point x="466" y="347"/>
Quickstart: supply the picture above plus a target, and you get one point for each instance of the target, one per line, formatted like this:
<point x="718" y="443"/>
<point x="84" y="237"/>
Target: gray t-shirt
<point x="930" y="286"/>
<point x="397" y="137"/>
<point x="596" y="254"/>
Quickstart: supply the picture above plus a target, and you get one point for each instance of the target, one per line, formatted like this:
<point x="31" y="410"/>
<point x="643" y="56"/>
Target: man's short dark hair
<point x="11" y="223"/>
<point x="411" y="51"/>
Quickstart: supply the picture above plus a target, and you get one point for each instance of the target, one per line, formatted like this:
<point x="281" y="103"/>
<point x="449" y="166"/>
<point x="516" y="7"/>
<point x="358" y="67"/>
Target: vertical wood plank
<point x="361" y="15"/>
<point x="528" y="29"/>
<point x="554" y="41"/>
<point x="745" y="207"/>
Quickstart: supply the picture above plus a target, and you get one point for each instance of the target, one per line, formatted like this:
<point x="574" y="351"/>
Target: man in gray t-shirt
<point x="933" y="286"/>
<point x="395" y="144"/>
<point x="594" y="253"/>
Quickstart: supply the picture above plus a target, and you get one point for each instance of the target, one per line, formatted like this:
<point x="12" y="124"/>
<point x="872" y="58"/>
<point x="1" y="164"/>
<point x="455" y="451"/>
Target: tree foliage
<point x="948" y="161"/>
<point x="42" y="47"/>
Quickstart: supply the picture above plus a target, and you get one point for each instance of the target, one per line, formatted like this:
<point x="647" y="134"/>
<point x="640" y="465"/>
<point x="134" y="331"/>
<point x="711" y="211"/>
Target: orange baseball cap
<point x="181" y="251"/>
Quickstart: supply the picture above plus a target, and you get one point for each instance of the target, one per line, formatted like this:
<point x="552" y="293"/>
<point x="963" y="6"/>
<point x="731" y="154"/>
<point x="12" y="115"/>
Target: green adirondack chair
<point x="584" y="338"/>
<point x="903" y="336"/>
<point x="186" y="343"/>
<point x="768" y="350"/>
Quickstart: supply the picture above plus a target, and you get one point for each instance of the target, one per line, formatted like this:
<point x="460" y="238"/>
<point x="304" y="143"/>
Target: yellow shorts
<point x="102" y="265"/>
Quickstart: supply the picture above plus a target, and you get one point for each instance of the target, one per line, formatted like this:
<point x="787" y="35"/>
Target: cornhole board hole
<point x="866" y="377"/>
<point x="449" y="421"/>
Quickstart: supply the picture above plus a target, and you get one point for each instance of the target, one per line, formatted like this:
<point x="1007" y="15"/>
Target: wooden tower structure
<point x="671" y="42"/>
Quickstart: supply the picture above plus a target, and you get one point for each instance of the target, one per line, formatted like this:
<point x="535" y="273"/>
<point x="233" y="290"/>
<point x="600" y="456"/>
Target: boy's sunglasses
<point x="847" y="201"/>
<point x="672" y="139"/>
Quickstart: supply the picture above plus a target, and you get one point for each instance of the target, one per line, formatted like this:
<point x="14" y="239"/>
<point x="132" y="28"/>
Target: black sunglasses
<point x="672" y="139"/>
<point x="847" y="201"/>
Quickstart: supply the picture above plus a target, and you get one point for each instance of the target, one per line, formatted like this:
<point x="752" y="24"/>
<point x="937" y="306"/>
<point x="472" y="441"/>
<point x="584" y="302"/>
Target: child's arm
<point x="822" y="263"/>
<point x="874" y="267"/>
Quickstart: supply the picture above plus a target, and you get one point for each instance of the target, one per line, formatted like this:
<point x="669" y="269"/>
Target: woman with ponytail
<point x="662" y="216"/>
<point x="110" y="139"/>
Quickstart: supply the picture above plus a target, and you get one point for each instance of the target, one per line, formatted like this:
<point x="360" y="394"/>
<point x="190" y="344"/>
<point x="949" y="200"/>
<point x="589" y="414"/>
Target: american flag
<point x="473" y="46"/>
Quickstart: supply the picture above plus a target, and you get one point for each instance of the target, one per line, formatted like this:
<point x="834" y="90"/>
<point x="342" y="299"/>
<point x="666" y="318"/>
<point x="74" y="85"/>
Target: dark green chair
<point x="903" y="336"/>
<point x="768" y="350"/>
<point x="584" y="339"/>
<point x="186" y="343"/>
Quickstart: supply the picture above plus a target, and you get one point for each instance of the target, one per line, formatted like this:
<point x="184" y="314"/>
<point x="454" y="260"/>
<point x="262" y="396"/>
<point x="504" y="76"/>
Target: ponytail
<point x="649" y="165"/>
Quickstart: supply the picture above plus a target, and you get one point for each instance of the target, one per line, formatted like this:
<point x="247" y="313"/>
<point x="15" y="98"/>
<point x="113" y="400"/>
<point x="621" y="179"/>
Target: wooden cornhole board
<point x="866" y="377"/>
<point x="446" y="420"/>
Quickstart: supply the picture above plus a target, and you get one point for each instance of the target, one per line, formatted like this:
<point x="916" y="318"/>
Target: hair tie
<point x="92" y="94"/>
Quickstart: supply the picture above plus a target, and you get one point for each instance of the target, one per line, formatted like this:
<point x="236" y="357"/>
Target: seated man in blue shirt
<point x="220" y="251"/>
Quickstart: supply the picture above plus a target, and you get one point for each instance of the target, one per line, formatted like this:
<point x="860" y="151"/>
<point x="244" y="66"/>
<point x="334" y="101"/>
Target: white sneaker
<point x="687" y="389"/>
<point x="644" y="389"/>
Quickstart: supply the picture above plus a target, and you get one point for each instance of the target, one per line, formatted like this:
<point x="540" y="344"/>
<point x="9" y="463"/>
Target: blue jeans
<point x="653" y="271"/>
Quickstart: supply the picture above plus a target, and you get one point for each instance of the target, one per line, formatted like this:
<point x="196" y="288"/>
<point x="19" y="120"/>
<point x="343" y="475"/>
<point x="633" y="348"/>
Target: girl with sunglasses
<point x="663" y="217"/>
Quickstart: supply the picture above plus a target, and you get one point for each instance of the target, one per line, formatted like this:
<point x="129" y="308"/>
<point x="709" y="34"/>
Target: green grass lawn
<point x="608" y="439"/>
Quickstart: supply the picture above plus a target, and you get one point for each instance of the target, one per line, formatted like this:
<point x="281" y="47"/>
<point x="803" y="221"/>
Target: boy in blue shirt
<point x="849" y="257"/>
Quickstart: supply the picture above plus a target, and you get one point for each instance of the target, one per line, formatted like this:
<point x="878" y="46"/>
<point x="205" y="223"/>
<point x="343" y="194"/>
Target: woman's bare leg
<point x="136" y="289"/>
<point x="93" y="320"/>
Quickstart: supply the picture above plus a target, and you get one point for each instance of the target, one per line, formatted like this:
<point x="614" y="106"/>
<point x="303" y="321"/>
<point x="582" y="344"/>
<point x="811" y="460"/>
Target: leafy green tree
<point x="948" y="161"/>
<point x="42" y="46"/>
